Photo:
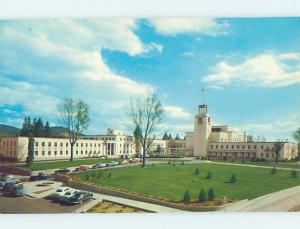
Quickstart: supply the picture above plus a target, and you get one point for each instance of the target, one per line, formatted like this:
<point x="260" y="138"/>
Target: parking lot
<point x="24" y="204"/>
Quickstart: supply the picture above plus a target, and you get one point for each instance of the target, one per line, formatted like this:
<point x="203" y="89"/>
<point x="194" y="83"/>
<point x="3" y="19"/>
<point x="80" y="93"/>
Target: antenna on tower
<point x="202" y="95"/>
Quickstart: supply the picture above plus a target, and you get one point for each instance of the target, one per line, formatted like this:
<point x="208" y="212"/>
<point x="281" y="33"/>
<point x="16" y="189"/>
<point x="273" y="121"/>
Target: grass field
<point x="64" y="164"/>
<point x="170" y="182"/>
<point x="291" y="165"/>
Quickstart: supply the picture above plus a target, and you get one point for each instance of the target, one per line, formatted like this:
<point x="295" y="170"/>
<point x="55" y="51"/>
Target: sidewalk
<point x="128" y="202"/>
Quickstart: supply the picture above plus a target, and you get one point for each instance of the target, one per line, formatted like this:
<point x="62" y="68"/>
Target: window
<point x="55" y="144"/>
<point x="254" y="147"/>
<point x="43" y="153"/>
<point x="81" y="144"/>
<point x="67" y="144"/>
<point x="43" y="144"/>
<point x="76" y="144"/>
<point x="61" y="144"/>
<point x="36" y="144"/>
<point x="267" y="154"/>
<point x="227" y="146"/>
<point x="76" y="152"/>
<point x="261" y="155"/>
<point x="95" y="145"/>
<point x="99" y="145"/>
<point x="91" y="144"/>
<point x="232" y="147"/>
<point x="86" y="145"/>
<point x="217" y="146"/>
<point x="55" y="153"/>
<point x="243" y="147"/>
<point x="36" y="153"/>
<point x="49" y="144"/>
<point x="61" y="152"/>
<point x="262" y="147"/>
<point x="49" y="153"/>
<point x="86" y="152"/>
<point x="237" y="146"/>
<point x="221" y="146"/>
<point x="67" y="152"/>
<point x="81" y="152"/>
<point x="249" y="147"/>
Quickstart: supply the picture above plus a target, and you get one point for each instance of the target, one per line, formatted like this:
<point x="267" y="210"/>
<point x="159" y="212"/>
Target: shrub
<point x="197" y="171"/>
<point x="187" y="196"/>
<point x="202" y="196"/>
<point x="233" y="179"/>
<point x="294" y="174"/>
<point x="211" y="194"/>
<point x="109" y="174"/>
<point x="243" y="161"/>
<point x="273" y="171"/>
<point x="182" y="163"/>
<point x="153" y="164"/>
<point x="224" y="158"/>
<point x="173" y="164"/>
<point x="169" y="162"/>
<point x="209" y="175"/>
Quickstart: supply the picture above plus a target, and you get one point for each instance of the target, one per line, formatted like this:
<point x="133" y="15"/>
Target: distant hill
<point x="6" y="130"/>
<point x="55" y="131"/>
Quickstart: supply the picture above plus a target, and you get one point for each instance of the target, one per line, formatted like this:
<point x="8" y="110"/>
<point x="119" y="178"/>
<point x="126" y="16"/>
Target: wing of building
<point x="207" y="140"/>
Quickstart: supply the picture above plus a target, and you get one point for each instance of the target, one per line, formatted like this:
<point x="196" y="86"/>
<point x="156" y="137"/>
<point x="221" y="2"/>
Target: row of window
<point x="55" y="153"/>
<point x="238" y="147"/>
<point x="9" y="143"/>
<point x="61" y="144"/>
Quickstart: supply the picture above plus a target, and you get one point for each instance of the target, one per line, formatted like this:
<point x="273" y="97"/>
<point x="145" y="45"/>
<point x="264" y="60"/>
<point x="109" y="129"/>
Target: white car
<point x="60" y="192"/>
<point x="68" y="194"/>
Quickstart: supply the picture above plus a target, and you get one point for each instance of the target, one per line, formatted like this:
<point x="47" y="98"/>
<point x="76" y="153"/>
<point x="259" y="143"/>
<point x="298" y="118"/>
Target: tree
<point x="278" y="145"/>
<point x="296" y="136"/>
<point x="209" y="175"/>
<point x="250" y="138"/>
<point x="202" y="196"/>
<point x="187" y="196"/>
<point x="165" y="137"/>
<point x="273" y="171"/>
<point x="177" y="137"/>
<point x="26" y="127"/>
<point x="137" y="139"/>
<point x="294" y="174"/>
<point x="211" y="194"/>
<point x="233" y="179"/>
<point x="158" y="150"/>
<point x="30" y="156"/>
<point x="47" y="130"/>
<point x="75" y="117"/>
<point x="38" y="128"/>
<point x="146" y="113"/>
<point x="170" y="137"/>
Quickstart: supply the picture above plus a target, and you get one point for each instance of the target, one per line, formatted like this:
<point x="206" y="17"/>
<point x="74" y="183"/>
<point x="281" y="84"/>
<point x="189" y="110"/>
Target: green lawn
<point x="44" y="165"/>
<point x="292" y="165"/>
<point x="170" y="182"/>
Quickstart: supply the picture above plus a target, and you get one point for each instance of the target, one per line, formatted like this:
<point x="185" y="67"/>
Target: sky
<point x="249" y="69"/>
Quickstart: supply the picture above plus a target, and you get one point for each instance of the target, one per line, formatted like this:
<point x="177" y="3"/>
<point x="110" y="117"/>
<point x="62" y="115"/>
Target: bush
<point x="153" y="164"/>
<point x="197" y="171"/>
<point x="169" y="162"/>
<point x="182" y="163"/>
<point x="243" y="161"/>
<point x="202" y="196"/>
<point x="233" y="179"/>
<point x="187" y="196"/>
<point x="173" y="164"/>
<point x="109" y="174"/>
<point x="100" y="174"/>
<point x="273" y="171"/>
<point x="294" y="174"/>
<point x="209" y="175"/>
<point x="211" y="194"/>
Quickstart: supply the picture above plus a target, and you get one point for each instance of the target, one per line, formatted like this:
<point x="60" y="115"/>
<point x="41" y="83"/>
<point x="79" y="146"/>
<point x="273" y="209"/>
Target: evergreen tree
<point x="209" y="175"/>
<point x="273" y="171"/>
<point x="39" y="129"/>
<point x="170" y="137"/>
<point x="177" y="137"/>
<point x="202" y="196"/>
<point x="47" y="130"/>
<point x="165" y="137"/>
<point x="211" y="194"/>
<point x="197" y="171"/>
<point x="187" y="196"/>
<point x="233" y="179"/>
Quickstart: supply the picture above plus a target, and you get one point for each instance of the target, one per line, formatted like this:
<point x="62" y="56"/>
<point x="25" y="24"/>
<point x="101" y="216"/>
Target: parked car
<point x="67" y="195"/>
<point x="40" y="176"/>
<point x="124" y="162"/>
<point x="82" y="168"/>
<point x="18" y="190"/>
<point x="112" y="163"/>
<point x="8" y="179"/>
<point x="100" y="165"/>
<point x="134" y="160"/>
<point x="59" y="192"/>
<point x="80" y="197"/>
<point x="63" y="170"/>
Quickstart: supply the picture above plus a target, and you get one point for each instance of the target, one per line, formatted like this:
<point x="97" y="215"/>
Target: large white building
<point x="207" y="140"/>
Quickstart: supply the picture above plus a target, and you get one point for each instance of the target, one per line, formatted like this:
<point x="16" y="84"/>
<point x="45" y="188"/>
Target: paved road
<point x="21" y="205"/>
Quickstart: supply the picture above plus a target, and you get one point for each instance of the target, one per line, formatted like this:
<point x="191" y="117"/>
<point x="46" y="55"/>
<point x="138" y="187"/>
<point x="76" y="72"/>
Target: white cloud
<point x="43" y="61"/>
<point x="174" y="26"/>
<point x="177" y="112"/>
<point x="262" y="70"/>
<point x="280" y="128"/>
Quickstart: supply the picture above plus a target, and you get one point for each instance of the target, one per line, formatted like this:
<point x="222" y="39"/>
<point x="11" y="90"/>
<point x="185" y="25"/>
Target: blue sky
<point x="249" y="68"/>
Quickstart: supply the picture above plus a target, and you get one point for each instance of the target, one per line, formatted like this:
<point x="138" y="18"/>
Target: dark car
<point x="40" y="176"/>
<point x="18" y="190"/>
<point x="64" y="170"/>
<point x="80" y="197"/>
<point x="8" y="187"/>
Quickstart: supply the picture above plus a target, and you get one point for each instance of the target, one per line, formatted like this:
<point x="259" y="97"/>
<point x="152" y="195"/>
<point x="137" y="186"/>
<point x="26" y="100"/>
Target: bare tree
<point x="75" y="117"/>
<point x="145" y="114"/>
<point x="278" y="145"/>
